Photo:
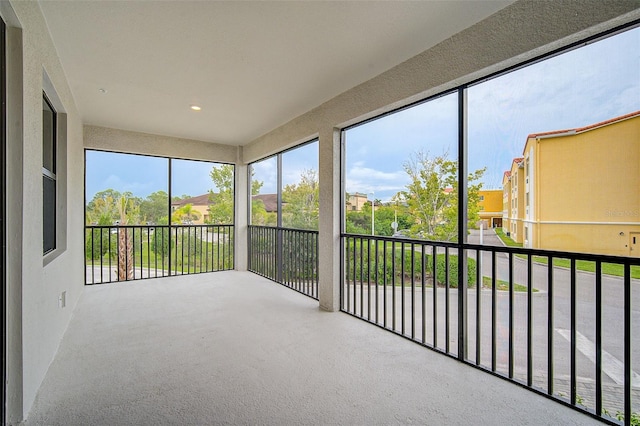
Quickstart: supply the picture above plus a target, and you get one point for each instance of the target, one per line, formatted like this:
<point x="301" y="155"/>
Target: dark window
<point x="48" y="175"/>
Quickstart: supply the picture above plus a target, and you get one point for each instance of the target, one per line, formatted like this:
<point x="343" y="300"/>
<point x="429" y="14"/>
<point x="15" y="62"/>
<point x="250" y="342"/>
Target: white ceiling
<point x="251" y="66"/>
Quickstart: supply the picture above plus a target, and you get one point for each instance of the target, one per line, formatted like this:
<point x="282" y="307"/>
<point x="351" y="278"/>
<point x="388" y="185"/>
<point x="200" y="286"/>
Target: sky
<point x="294" y="163"/>
<point x="575" y="89"/>
<point x="142" y="175"/>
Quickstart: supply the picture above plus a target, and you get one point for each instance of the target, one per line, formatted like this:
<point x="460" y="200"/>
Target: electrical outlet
<point x="62" y="299"/>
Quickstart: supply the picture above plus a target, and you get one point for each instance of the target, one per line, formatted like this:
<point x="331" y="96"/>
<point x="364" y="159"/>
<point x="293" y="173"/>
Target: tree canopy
<point x="301" y="202"/>
<point x="221" y="202"/>
<point x="432" y="196"/>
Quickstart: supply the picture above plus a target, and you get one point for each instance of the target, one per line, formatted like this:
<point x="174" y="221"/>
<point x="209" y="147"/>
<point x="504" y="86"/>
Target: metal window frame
<point x="3" y="207"/>
<point x="51" y="174"/>
<point x="169" y="193"/>
<point x="278" y="157"/>
<point x="463" y="247"/>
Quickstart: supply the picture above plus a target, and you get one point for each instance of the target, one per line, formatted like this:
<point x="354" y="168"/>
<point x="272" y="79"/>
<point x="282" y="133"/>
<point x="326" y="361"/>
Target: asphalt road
<point x="434" y="325"/>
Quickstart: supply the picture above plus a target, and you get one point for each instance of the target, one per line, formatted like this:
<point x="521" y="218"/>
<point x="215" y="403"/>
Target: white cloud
<point x="383" y="184"/>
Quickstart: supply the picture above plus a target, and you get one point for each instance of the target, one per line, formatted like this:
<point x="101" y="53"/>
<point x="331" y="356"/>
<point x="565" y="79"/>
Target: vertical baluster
<point x="369" y="279"/>
<point x="423" y="273"/>
<point x="355" y="242"/>
<point x="377" y="286"/>
<point x="627" y="343"/>
<point x="446" y="298"/>
<point x="550" y="328"/>
<point x="413" y="293"/>
<point x="494" y="308"/>
<point x="511" y="296"/>
<point x="393" y="285"/>
<point x="573" y="331"/>
<point x="402" y="301"/>
<point x="529" y="321"/>
<point x="434" y="261"/>
<point x="478" y="305"/>
<point x="92" y="256"/>
<point x="598" y="313"/>
<point x="384" y="284"/>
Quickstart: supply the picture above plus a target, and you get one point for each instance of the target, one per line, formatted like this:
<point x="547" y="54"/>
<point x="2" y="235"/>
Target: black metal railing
<point x="558" y="323"/>
<point x="133" y="252"/>
<point x="287" y="256"/>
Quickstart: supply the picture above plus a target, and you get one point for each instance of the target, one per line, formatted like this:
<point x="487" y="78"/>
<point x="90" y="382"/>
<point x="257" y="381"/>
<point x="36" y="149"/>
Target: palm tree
<point x="125" y="243"/>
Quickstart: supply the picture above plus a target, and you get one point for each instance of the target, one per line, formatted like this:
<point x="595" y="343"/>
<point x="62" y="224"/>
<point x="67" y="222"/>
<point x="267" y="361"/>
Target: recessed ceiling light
<point x="195" y="107"/>
<point x="101" y="90"/>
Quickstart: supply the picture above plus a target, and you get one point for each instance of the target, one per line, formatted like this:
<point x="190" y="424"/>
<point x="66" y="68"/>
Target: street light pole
<point x="373" y="214"/>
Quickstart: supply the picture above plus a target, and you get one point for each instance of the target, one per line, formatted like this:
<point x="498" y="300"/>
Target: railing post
<point x="279" y="254"/>
<point x="462" y="224"/>
<point x="169" y="215"/>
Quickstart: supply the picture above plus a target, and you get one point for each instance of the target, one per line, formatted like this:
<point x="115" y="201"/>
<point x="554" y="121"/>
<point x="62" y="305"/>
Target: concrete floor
<point x="234" y="348"/>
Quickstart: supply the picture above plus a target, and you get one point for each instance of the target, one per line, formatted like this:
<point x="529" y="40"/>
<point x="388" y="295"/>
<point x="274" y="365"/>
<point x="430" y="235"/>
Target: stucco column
<point x="241" y="222"/>
<point x="14" y="217"/>
<point x="329" y="227"/>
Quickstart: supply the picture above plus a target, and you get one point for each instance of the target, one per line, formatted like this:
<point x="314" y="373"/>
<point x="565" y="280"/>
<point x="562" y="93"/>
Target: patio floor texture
<point x="235" y="348"/>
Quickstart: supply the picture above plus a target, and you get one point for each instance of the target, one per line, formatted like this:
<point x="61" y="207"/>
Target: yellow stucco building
<point x="513" y="194"/>
<point x="356" y="201"/>
<point x="490" y="204"/>
<point x="578" y="189"/>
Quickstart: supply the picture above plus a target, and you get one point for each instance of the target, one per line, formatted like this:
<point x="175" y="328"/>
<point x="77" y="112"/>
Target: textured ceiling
<point x="251" y="66"/>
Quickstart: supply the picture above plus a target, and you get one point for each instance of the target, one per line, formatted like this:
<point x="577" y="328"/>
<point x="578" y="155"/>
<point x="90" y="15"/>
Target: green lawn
<point x="614" y="269"/>
<point x="581" y="265"/>
<point x="148" y="258"/>
<point x="506" y="240"/>
<point x="504" y="285"/>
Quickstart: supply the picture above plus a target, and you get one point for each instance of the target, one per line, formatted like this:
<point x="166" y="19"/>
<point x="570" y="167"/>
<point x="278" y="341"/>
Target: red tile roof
<point x="586" y="128"/>
<point x="200" y="200"/>
<point x="270" y="201"/>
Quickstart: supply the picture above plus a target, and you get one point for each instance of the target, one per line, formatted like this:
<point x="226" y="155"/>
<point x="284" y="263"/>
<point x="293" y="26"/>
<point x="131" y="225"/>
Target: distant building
<point x="356" y="201"/>
<point x="512" y="187"/>
<point x="578" y="189"/>
<point x="201" y="204"/>
<point x="270" y="201"/>
<point x="490" y="204"/>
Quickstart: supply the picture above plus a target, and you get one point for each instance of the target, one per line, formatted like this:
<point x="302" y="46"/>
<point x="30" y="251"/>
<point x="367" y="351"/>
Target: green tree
<point x="103" y="208"/>
<point x="388" y="213"/>
<point x="301" y="202"/>
<point x="358" y="222"/>
<point x="432" y="196"/>
<point x="180" y="197"/>
<point x="221" y="202"/>
<point x="259" y="214"/>
<point x="154" y="207"/>
<point x="185" y="215"/>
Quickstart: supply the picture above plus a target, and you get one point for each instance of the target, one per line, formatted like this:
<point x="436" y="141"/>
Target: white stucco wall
<point x="39" y="321"/>
<point x="116" y="140"/>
